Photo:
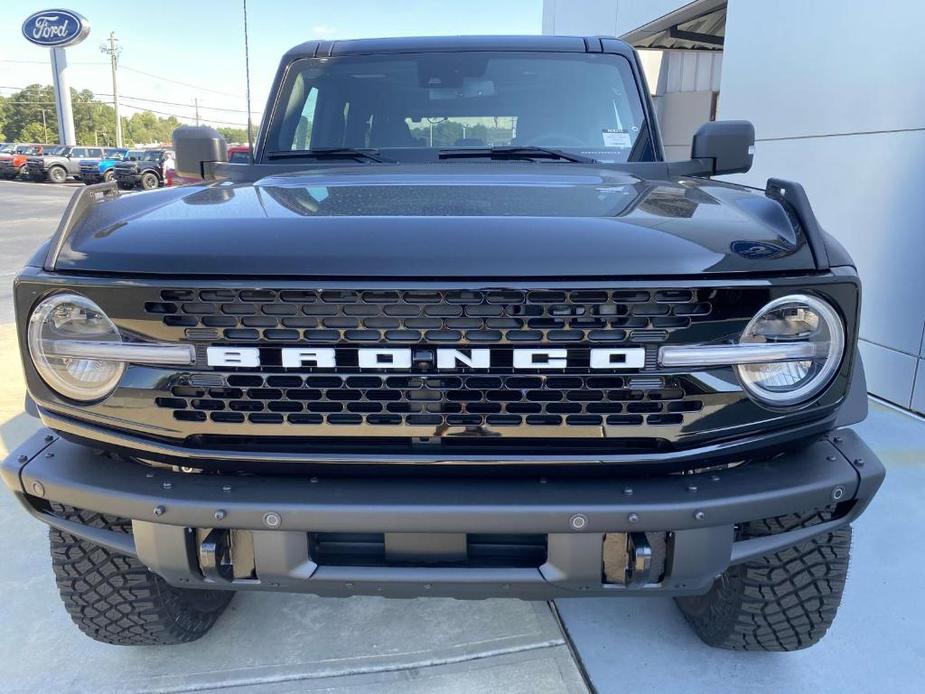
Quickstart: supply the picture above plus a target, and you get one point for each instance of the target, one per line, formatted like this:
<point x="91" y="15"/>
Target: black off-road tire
<point x="149" y="181"/>
<point x="57" y="174"/>
<point x="115" y="599"/>
<point x="785" y="601"/>
<point x="108" y="176"/>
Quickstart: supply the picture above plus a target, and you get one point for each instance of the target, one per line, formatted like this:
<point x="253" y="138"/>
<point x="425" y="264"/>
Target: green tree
<point x="141" y="128"/>
<point x="94" y="121"/>
<point x="27" y="107"/>
<point x="34" y="132"/>
<point x="2" y="118"/>
<point x="234" y="135"/>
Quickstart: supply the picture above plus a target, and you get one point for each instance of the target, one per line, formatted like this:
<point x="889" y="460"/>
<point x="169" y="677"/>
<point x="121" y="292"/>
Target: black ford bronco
<point x="146" y="169"/>
<point x="458" y="330"/>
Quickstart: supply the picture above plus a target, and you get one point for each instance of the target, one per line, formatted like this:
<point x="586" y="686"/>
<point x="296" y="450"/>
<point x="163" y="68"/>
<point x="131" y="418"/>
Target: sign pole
<point x="66" y="134"/>
<point x="56" y="29"/>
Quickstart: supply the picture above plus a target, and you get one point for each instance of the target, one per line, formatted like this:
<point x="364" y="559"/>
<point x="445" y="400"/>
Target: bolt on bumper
<point x="174" y="516"/>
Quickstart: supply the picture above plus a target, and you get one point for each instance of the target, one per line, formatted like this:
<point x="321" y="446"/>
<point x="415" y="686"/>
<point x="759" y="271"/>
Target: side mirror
<point x="730" y="144"/>
<point x="195" y="146"/>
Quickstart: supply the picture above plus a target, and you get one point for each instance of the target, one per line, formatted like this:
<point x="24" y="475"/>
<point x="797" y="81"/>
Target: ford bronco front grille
<point x="424" y="401"/>
<point x="501" y="400"/>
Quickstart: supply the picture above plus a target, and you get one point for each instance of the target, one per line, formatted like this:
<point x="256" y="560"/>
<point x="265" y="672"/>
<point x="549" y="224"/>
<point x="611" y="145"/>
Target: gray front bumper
<point x="699" y="513"/>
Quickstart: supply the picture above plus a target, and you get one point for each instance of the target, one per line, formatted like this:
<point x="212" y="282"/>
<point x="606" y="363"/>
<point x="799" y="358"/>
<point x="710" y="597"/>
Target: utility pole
<point x="113" y="49"/>
<point x="196" y="102"/>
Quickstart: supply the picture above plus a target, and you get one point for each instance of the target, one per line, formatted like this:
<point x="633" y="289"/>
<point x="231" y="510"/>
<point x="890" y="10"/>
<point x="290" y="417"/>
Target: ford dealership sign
<point x="55" y="28"/>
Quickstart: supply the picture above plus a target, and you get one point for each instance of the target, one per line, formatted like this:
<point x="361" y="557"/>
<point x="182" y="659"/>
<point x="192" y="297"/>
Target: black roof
<point x="419" y="44"/>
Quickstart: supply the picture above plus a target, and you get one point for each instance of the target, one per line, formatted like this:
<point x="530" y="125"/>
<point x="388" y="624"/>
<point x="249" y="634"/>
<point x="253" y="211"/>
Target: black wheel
<point x="785" y="601"/>
<point x="107" y="176"/>
<point x="57" y="174"/>
<point x="149" y="181"/>
<point x="115" y="599"/>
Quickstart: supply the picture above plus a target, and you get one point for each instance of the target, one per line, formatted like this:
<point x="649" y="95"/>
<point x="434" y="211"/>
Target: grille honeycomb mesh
<point x="449" y="317"/>
<point x="470" y="400"/>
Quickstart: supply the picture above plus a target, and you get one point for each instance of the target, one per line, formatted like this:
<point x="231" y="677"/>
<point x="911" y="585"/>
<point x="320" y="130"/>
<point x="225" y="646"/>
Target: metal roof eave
<point x="698" y="25"/>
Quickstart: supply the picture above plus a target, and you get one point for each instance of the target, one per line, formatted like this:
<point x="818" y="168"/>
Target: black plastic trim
<point x="793" y="196"/>
<point x="700" y="511"/>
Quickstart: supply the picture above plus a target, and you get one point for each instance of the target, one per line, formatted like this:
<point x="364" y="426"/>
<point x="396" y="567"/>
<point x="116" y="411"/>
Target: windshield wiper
<point x="355" y="153"/>
<point x="513" y="152"/>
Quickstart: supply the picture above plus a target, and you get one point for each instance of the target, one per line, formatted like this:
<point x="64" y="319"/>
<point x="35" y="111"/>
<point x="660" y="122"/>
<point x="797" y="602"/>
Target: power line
<point x="202" y="107"/>
<point x="45" y="62"/>
<point x="160" y="113"/>
<point x="131" y="69"/>
<point x="184" y="84"/>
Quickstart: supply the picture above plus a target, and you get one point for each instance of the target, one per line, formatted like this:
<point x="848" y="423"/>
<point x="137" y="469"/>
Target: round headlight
<point x="794" y="319"/>
<point x="66" y="319"/>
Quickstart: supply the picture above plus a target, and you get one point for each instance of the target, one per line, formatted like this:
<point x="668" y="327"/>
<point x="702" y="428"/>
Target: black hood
<point x="459" y="220"/>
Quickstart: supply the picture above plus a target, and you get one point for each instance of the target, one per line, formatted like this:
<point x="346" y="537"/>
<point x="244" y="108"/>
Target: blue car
<point x="97" y="170"/>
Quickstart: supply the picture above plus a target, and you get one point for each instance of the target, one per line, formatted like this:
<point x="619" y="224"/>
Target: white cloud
<point x="322" y="31"/>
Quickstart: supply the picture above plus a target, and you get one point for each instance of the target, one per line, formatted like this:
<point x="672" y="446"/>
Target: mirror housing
<point x="728" y="144"/>
<point x="194" y="147"/>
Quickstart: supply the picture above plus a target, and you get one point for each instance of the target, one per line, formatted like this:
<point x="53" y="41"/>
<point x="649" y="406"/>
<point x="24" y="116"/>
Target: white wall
<point x="835" y="91"/>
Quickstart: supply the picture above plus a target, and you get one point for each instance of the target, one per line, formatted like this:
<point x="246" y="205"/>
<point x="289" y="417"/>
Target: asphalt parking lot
<point x="283" y="643"/>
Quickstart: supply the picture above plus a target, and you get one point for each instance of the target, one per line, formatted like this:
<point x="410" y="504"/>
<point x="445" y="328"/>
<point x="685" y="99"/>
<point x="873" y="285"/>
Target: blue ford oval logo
<point x="55" y="28"/>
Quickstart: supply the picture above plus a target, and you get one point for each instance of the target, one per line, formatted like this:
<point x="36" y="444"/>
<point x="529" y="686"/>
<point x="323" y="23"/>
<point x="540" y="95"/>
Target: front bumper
<point x="128" y="177"/>
<point x="175" y="515"/>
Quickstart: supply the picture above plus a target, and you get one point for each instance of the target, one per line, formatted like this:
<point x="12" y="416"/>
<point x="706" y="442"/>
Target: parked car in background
<point x="60" y="162"/>
<point x="99" y="170"/>
<point x="145" y="169"/>
<point x="239" y="154"/>
<point x="13" y="159"/>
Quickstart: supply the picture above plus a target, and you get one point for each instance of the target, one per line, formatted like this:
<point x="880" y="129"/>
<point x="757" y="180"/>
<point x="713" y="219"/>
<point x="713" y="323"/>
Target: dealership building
<point x="833" y="109"/>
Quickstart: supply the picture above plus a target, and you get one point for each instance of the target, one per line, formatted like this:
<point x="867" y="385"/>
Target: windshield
<point x="581" y="103"/>
<point x="134" y="155"/>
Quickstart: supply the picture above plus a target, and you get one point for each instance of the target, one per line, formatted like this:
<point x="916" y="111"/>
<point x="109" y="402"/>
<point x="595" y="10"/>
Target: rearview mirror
<point x="195" y="146"/>
<point x="730" y="144"/>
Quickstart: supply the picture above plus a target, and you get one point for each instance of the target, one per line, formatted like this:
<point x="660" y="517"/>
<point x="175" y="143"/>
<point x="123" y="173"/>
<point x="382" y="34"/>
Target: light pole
<point x="113" y="49"/>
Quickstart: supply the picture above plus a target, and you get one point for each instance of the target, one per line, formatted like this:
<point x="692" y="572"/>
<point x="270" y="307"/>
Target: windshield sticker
<point x="616" y="138"/>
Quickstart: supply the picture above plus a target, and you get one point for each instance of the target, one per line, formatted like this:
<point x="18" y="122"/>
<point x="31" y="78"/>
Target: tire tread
<point x="784" y="601"/>
<point x="115" y="599"/>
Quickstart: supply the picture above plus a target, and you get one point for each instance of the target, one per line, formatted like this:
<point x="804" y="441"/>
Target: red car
<point x="239" y="154"/>
<point x="13" y="163"/>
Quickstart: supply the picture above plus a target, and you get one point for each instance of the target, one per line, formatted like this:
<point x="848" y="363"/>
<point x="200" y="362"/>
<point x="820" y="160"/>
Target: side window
<point x="79" y="152"/>
<point x="303" y="131"/>
<point x="95" y="152"/>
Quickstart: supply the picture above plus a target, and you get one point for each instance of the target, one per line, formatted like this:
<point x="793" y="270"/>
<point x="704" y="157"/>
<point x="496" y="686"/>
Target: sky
<point x="177" y="50"/>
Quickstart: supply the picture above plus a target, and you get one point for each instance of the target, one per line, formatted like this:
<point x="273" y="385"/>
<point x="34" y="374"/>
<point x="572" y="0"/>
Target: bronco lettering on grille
<point x="446" y="359"/>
